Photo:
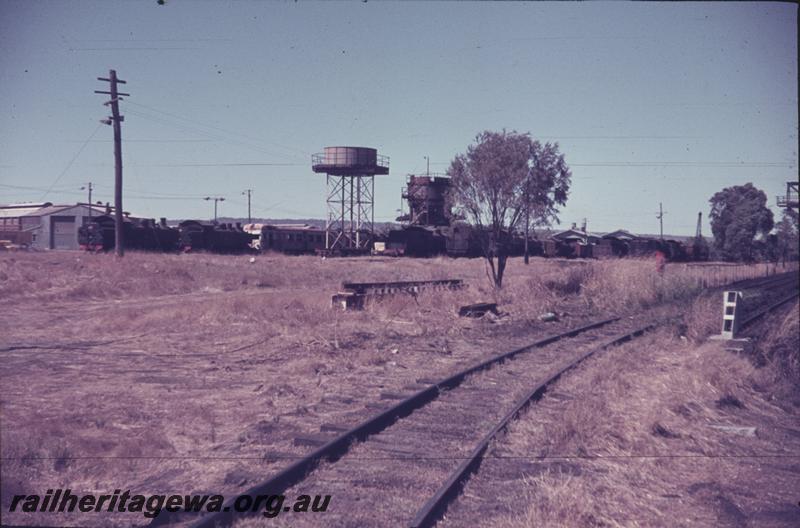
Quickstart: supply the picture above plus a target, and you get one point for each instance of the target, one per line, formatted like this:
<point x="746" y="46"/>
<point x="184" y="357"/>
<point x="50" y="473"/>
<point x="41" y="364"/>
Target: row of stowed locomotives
<point x="430" y="229"/>
<point x="618" y="244"/>
<point x="458" y="240"/>
<point x="148" y="235"/>
<point x="195" y="235"/>
<point x="463" y="240"/>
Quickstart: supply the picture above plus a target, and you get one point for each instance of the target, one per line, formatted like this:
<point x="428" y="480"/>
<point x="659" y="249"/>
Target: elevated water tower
<point x="790" y="201"/>
<point x="350" y="175"/>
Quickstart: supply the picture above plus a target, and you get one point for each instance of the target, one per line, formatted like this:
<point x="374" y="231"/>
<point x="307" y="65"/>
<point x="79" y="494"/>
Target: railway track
<point x="430" y="428"/>
<point x="406" y="463"/>
<point x="765" y="294"/>
<point x="431" y="512"/>
<point x="770" y="282"/>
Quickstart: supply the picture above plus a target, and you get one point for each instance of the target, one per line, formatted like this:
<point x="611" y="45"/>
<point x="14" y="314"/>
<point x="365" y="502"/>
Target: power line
<point x="127" y="49"/>
<point x="725" y="164"/>
<point x="83" y="146"/>
<point x="152" y="40"/>
<point x="146" y="194"/>
<point x="157" y="196"/>
<point x="558" y="137"/>
<point x="150" y="197"/>
<point x="216" y="137"/>
<point x="146" y="141"/>
<point x="61" y="189"/>
<point x="219" y="164"/>
<point x="289" y="147"/>
<point x="223" y="164"/>
<point x="239" y="134"/>
<point x="777" y="178"/>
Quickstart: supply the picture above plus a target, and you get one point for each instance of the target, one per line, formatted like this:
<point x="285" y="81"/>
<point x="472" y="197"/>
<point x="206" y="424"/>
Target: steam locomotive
<point x="148" y="235"/>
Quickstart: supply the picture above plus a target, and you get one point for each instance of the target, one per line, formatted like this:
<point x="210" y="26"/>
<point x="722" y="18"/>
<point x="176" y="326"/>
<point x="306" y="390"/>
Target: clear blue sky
<point x="650" y="102"/>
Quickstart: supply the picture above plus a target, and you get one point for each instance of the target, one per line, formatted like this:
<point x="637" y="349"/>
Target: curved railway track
<point x="435" y="507"/>
<point x="406" y="463"/>
<point x="765" y="294"/>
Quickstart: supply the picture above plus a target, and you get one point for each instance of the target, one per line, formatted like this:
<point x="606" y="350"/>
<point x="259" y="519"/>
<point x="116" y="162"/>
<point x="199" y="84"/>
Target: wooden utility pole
<point x="248" y="192"/>
<point x="698" y="234"/>
<point x="89" y="186"/>
<point x="527" y="229"/>
<point x="115" y="120"/>
<point x="216" y="199"/>
<point x="528" y="208"/>
<point x="660" y="215"/>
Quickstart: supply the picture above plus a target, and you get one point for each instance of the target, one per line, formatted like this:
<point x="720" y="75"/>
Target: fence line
<point x="713" y="275"/>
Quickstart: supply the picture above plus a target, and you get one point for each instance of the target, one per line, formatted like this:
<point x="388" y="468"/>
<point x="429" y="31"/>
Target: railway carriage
<point x="292" y="238"/>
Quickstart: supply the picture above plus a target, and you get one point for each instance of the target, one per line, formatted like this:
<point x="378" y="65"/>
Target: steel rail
<point x="758" y="282"/>
<point x="337" y="447"/>
<point x="436" y="505"/>
<point x="778" y="282"/>
<point x="773" y="289"/>
<point x="762" y="312"/>
<point x="771" y="279"/>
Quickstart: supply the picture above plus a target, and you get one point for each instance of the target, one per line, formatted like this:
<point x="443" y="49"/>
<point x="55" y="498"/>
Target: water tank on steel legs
<point x="347" y="161"/>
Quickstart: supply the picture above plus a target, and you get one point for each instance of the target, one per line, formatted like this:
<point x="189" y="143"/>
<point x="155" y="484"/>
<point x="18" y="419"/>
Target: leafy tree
<point x="701" y="250"/>
<point x="505" y="178"/>
<point x="787" y="237"/>
<point x="738" y="215"/>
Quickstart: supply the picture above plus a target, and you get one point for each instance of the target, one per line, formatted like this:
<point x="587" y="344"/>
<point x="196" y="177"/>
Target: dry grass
<point x="703" y="317"/>
<point x="781" y="351"/>
<point x="194" y="355"/>
<point x="78" y="276"/>
<point x="627" y="440"/>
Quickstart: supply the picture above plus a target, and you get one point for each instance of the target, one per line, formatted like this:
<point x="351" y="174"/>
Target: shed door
<point x="64" y="234"/>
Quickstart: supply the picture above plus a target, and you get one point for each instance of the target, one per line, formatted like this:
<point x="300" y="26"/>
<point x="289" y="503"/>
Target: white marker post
<point x="731" y="301"/>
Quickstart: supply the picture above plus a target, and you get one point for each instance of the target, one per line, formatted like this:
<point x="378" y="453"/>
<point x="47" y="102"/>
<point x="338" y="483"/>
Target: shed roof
<point x="621" y="234"/>
<point x="569" y="234"/>
<point x="16" y="210"/>
<point x="53" y="209"/>
<point x="292" y="226"/>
